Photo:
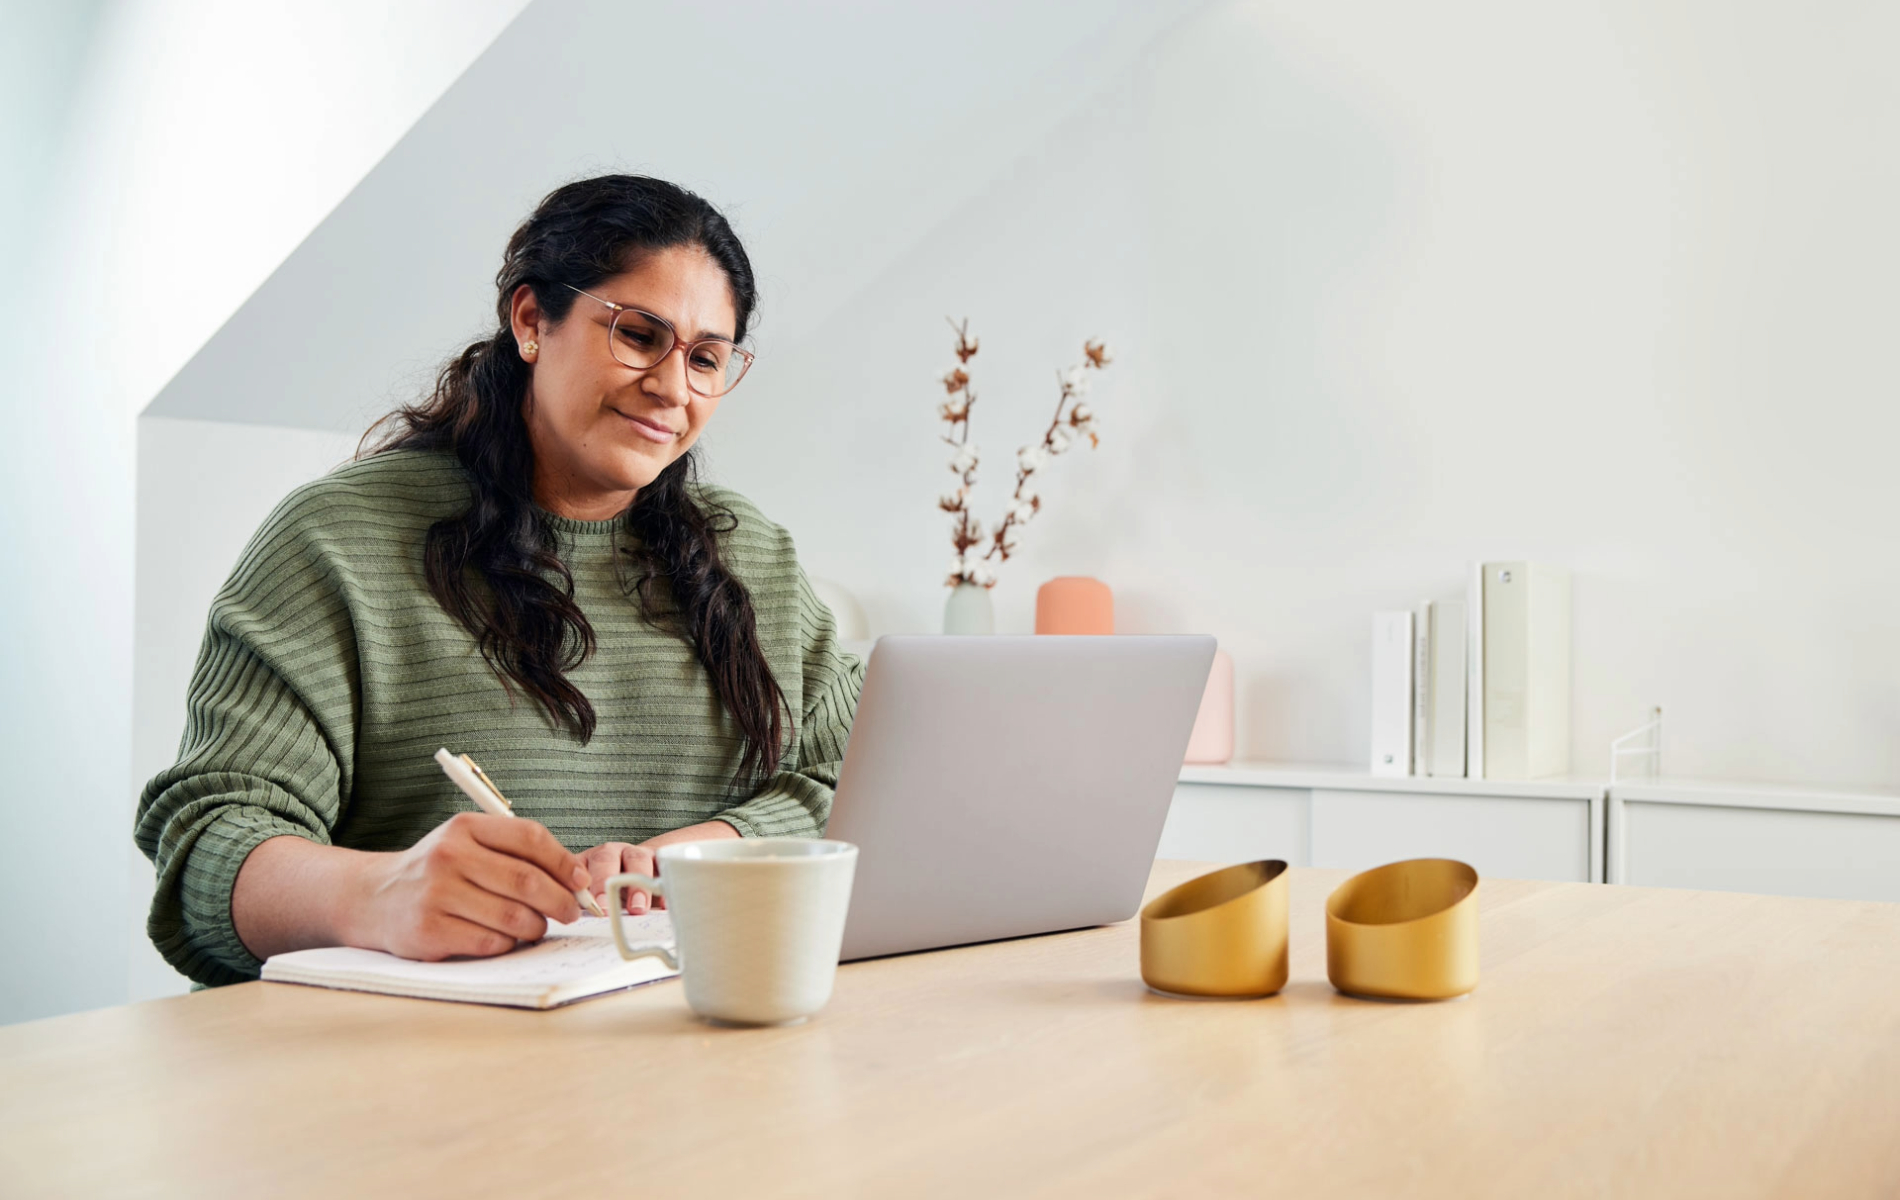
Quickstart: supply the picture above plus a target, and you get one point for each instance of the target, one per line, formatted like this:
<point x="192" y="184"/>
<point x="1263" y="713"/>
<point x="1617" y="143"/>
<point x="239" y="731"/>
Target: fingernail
<point x="580" y="876"/>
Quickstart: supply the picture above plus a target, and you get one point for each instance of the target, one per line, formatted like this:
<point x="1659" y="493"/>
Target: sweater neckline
<point x="584" y="530"/>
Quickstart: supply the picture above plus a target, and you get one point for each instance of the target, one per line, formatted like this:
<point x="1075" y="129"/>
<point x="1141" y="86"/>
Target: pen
<point x="477" y="786"/>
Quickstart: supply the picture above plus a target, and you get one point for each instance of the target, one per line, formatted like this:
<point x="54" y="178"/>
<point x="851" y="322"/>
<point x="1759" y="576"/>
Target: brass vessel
<point x="1220" y="934"/>
<point x="1407" y="930"/>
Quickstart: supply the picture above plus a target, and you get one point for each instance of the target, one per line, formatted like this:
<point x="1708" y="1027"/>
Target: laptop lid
<point x="1001" y="786"/>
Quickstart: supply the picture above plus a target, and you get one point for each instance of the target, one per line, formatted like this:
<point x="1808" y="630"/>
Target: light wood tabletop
<point x="1622" y="1042"/>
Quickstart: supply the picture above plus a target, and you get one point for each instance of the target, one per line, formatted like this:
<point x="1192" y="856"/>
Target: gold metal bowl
<point x="1220" y="934"/>
<point x="1407" y="930"/>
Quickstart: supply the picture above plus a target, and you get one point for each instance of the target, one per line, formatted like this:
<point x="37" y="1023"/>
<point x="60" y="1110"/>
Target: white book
<point x="1526" y="670"/>
<point x="1474" y="675"/>
<point x="1392" y="693"/>
<point x="573" y="962"/>
<point x="1449" y="668"/>
<point x="1422" y="689"/>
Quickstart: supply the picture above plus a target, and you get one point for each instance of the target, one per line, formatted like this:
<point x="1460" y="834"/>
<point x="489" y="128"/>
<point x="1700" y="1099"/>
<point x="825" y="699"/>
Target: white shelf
<point x="1334" y="777"/>
<point x="1729" y="794"/>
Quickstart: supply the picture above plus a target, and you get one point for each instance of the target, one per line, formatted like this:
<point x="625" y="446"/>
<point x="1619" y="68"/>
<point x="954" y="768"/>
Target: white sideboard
<point x="1720" y="836"/>
<point x="1733" y="837"/>
<point x="1324" y="816"/>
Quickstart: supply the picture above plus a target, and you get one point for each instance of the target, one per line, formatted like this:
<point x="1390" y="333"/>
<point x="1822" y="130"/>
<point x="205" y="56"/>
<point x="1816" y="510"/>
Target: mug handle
<point x="617" y="889"/>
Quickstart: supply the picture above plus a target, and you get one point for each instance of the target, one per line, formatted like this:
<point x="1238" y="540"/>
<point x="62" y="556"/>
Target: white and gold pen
<point x="477" y="786"/>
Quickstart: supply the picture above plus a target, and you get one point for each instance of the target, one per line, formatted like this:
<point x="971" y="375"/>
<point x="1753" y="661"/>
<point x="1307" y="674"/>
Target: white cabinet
<point x="1737" y="837"/>
<point x="1221" y="822"/>
<point x="1505" y="836"/>
<point x="1333" y="817"/>
<point x="1780" y="841"/>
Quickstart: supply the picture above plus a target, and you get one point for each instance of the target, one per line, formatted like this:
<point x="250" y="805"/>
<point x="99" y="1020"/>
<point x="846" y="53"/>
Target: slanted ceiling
<point x="834" y="135"/>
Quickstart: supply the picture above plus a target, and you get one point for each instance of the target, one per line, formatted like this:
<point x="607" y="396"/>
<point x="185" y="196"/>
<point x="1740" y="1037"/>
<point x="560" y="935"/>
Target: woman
<point x="523" y="569"/>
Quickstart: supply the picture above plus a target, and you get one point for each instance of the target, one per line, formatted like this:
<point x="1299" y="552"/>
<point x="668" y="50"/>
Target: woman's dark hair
<point x="496" y="567"/>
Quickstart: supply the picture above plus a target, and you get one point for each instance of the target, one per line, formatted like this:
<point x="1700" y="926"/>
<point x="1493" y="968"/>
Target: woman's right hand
<point x="475" y="886"/>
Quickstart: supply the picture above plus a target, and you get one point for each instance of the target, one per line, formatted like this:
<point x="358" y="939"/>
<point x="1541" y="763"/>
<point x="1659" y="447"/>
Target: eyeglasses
<point x="638" y="339"/>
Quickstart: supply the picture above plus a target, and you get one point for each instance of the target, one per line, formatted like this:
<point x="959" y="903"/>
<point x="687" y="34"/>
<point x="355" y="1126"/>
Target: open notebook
<point x="571" y="963"/>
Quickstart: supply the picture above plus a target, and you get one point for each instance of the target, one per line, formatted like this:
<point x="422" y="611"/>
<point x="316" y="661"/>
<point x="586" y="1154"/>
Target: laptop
<point x="1003" y="786"/>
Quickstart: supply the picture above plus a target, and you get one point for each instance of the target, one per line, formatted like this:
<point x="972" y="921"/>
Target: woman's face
<point x="601" y="430"/>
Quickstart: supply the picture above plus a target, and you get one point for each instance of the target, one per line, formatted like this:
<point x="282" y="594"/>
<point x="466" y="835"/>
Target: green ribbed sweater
<point x="329" y="675"/>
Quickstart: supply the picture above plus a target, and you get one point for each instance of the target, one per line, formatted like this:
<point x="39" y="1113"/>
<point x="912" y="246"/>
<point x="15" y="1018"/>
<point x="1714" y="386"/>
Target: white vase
<point x="968" y="610"/>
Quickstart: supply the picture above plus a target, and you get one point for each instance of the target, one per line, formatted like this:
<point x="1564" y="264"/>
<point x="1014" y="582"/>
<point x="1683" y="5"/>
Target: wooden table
<point x="1624" y="1041"/>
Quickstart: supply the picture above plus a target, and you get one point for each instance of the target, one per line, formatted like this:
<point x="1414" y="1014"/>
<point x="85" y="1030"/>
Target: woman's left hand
<point x="614" y="858"/>
<point x="619" y="858"/>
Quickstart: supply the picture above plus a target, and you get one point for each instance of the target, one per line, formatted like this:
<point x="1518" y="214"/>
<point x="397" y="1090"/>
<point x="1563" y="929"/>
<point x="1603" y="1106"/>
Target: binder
<point x="1474" y="674"/>
<point x="1446" y="756"/>
<point x="1423" y="651"/>
<point x="1526" y="670"/>
<point x="1392" y="693"/>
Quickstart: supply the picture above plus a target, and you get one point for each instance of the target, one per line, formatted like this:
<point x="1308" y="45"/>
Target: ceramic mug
<point x="757" y="923"/>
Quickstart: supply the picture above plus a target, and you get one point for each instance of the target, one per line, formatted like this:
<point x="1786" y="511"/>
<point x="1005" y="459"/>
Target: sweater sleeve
<point x="269" y="731"/>
<point x="796" y="802"/>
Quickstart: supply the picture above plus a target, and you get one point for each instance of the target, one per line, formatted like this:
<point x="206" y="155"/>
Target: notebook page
<point x="572" y="961"/>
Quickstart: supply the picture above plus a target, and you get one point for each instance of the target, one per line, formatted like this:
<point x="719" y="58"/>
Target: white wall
<point x="196" y="145"/>
<point x="1399" y="286"/>
<point x="47" y="680"/>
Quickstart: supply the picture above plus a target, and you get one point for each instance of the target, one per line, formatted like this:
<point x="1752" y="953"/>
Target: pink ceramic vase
<point x="1213" y="738"/>
<point x="1075" y="604"/>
